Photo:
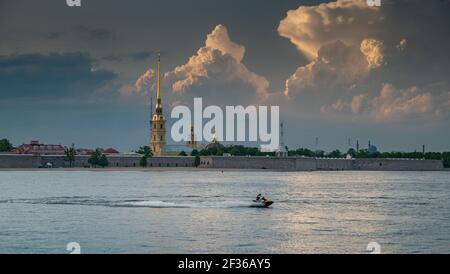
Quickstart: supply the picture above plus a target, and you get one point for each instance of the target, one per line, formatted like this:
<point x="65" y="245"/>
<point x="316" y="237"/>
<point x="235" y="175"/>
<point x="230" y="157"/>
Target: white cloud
<point x="339" y="39"/>
<point x="393" y="104"/>
<point x="143" y="85"/>
<point x="219" y="39"/>
<point x="218" y="62"/>
<point x="145" y="81"/>
<point x="336" y="64"/>
<point x="372" y="49"/>
<point x="310" y="27"/>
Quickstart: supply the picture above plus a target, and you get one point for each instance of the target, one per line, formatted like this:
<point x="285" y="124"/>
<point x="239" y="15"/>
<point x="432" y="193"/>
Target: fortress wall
<point x="310" y="164"/>
<point x="305" y="164"/>
<point x="181" y="161"/>
<point x="58" y="161"/>
<point x="134" y="161"/>
<point x="334" y="164"/>
<point x="123" y="160"/>
<point x="19" y="161"/>
<point x="239" y="162"/>
<point x="288" y="163"/>
<point x="397" y="164"/>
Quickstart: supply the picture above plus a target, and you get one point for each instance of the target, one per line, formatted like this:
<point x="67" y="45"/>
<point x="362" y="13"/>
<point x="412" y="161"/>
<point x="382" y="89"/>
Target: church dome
<point x="214" y="145"/>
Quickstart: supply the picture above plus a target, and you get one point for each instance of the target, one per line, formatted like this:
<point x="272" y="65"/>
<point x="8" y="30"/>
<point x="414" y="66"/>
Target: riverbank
<point x="133" y="162"/>
<point x="170" y="169"/>
<point x="149" y="169"/>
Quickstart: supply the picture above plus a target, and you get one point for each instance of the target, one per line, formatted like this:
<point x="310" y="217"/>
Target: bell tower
<point x="158" y="123"/>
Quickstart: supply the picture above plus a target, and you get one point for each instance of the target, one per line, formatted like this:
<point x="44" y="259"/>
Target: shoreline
<point x="189" y="169"/>
<point x="153" y="169"/>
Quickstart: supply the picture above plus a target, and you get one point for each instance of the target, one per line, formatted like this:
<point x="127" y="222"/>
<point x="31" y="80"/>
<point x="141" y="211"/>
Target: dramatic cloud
<point x="219" y="39"/>
<point x="218" y="62"/>
<point x="83" y="32"/>
<point x="310" y="27"/>
<point x="93" y="33"/>
<point x="134" y="57"/>
<point x="392" y="104"/>
<point x="354" y="48"/>
<point x="39" y="75"/>
<point x="372" y="49"/>
<point x="336" y="64"/>
<point x="337" y="38"/>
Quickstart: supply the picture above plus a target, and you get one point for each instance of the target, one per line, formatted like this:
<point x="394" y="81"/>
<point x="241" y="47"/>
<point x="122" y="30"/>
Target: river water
<point x="211" y="212"/>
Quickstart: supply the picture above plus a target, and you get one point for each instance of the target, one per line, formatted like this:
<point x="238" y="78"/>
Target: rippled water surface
<point x="207" y="211"/>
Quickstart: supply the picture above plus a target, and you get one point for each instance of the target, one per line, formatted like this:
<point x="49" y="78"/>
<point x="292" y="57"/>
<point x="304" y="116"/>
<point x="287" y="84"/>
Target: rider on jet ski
<point x="258" y="197"/>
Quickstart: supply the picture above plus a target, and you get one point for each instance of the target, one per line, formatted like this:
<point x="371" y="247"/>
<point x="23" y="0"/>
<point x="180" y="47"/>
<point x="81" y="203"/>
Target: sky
<point x="339" y="70"/>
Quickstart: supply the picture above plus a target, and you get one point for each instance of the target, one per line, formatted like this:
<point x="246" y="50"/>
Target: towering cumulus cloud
<point x="310" y="27"/>
<point x="336" y="38"/>
<point x="218" y="62"/>
<point x="353" y="49"/>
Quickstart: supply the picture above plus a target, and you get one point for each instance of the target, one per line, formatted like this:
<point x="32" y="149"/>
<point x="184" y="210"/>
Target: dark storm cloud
<point x="83" y="32"/>
<point x="135" y="56"/>
<point x="92" y="33"/>
<point x="51" y="75"/>
<point x="55" y="35"/>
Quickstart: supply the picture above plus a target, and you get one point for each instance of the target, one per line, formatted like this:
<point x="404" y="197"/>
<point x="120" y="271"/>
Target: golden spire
<point x="158" y="90"/>
<point x="158" y="94"/>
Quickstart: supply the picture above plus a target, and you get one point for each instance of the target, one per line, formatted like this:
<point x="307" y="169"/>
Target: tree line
<point x="98" y="158"/>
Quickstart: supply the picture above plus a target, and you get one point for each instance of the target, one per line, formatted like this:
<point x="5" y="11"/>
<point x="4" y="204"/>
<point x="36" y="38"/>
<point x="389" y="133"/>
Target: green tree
<point x="197" y="161"/>
<point x="335" y="154"/>
<point x="446" y="159"/>
<point x="144" y="161"/>
<point x="319" y="153"/>
<point x="351" y="152"/>
<point x="70" y="154"/>
<point x="95" y="157"/>
<point x="146" y="153"/>
<point x="145" y="150"/>
<point x="194" y="152"/>
<point x="302" y="152"/>
<point x="235" y="151"/>
<point x="5" y="145"/>
<point x="103" y="161"/>
<point x="182" y="154"/>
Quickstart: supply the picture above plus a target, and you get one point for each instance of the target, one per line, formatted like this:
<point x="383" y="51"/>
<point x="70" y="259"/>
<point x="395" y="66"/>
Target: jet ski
<point x="262" y="203"/>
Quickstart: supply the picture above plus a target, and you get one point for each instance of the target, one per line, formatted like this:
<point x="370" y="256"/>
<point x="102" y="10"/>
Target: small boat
<point x="262" y="203"/>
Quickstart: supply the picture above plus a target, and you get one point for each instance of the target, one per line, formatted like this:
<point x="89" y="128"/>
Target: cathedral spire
<point x="158" y="124"/>
<point x="158" y="93"/>
<point x="158" y="89"/>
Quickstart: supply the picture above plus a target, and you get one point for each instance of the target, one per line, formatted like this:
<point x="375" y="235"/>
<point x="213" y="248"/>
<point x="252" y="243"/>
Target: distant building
<point x="158" y="130"/>
<point x="192" y="142"/>
<point x="110" y="151"/>
<point x="214" y="143"/>
<point x="281" y="151"/>
<point x="84" y="151"/>
<point x="372" y="148"/>
<point x="34" y="147"/>
<point x="158" y="123"/>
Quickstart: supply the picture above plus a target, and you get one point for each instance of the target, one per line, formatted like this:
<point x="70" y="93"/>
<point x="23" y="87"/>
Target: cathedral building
<point x="158" y="130"/>
<point x="158" y="122"/>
